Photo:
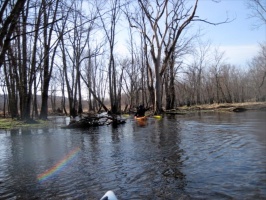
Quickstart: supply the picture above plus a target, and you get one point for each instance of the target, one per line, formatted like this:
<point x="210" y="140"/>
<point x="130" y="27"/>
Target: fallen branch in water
<point x="94" y="121"/>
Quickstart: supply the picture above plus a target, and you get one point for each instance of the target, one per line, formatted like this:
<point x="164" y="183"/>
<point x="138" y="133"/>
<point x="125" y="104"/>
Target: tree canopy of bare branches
<point x="67" y="50"/>
<point x="257" y="11"/>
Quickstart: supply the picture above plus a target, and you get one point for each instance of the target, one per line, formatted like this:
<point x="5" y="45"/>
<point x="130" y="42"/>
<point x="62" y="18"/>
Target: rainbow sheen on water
<point x="59" y="165"/>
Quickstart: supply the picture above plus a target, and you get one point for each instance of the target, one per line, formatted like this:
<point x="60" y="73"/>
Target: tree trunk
<point x="80" y="109"/>
<point x="47" y="69"/>
<point x="11" y="86"/>
<point x="8" y="26"/>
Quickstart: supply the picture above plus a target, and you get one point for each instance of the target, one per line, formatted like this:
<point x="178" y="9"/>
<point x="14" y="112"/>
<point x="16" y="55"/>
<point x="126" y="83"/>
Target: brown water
<point x="200" y="156"/>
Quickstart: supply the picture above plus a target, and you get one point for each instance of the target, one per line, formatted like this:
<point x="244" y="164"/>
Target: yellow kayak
<point x="157" y="116"/>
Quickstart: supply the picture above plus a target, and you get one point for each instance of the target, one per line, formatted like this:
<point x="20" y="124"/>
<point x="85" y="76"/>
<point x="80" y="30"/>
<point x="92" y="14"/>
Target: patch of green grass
<point x="8" y="123"/>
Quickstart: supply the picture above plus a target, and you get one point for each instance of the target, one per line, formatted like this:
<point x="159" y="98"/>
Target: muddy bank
<point x="226" y="107"/>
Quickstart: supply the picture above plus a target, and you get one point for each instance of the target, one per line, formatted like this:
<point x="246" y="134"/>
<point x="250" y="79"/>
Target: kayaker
<point x="141" y="111"/>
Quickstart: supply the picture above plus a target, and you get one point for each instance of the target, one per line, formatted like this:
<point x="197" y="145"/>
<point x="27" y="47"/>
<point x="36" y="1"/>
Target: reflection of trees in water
<point x="115" y="135"/>
<point x="23" y="154"/>
<point x="169" y="163"/>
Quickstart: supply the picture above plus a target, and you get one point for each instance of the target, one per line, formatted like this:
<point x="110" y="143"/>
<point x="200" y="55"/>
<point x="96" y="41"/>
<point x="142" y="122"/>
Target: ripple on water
<point x="224" y="160"/>
<point x="202" y="157"/>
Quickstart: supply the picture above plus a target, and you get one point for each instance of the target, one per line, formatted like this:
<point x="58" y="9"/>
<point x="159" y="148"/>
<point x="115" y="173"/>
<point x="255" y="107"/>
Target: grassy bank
<point x="8" y="123"/>
<point x="225" y="107"/>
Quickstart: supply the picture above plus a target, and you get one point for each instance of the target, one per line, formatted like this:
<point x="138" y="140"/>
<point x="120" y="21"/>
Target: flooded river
<point x="198" y="156"/>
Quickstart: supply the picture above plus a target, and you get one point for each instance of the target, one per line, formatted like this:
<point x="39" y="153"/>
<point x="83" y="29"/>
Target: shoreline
<point x="229" y="107"/>
<point x="8" y="123"/>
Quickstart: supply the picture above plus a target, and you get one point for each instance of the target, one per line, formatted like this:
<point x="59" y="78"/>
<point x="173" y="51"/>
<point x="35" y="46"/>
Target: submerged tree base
<point x="94" y="121"/>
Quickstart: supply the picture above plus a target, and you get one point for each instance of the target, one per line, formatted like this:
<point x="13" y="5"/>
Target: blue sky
<point x="238" y="39"/>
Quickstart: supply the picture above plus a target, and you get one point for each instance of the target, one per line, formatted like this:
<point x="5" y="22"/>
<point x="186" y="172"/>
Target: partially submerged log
<point x="94" y="121"/>
<point x="239" y="109"/>
<point x="174" y="112"/>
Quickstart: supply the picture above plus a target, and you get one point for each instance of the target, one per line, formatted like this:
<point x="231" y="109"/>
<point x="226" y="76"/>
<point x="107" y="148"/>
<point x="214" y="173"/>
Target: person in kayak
<point x="141" y="111"/>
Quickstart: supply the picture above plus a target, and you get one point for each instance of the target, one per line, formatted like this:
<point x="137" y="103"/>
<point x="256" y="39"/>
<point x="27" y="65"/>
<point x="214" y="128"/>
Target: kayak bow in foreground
<point x="110" y="195"/>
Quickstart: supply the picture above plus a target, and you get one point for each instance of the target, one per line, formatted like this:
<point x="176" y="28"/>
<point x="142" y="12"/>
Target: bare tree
<point x="78" y="50"/>
<point x="10" y="75"/>
<point x="257" y="71"/>
<point x="78" y="39"/>
<point x="109" y="26"/>
<point x="96" y="80"/>
<point x="8" y="24"/>
<point x="49" y="15"/>
<point x="216" y="71"/>
<point x="201" y="60"/>
<point x="166" y="21"/>
<point x="257" y="11"/>
<point x="22" y="65"/>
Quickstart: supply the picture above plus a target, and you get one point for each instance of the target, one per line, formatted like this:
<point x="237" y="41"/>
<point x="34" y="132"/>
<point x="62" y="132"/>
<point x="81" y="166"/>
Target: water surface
<point x="199" y="156"/>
